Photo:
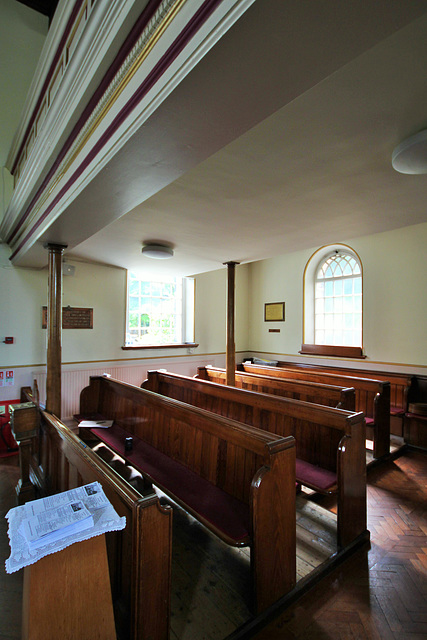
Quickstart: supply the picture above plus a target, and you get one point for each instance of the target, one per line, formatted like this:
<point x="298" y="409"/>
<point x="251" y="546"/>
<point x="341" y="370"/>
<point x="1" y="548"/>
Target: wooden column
<point x="54" y="329"/>
<point x="231" y="347"/>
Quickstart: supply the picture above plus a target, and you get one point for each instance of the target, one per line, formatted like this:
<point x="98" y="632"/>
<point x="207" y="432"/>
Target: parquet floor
<point x="380" y="593"/>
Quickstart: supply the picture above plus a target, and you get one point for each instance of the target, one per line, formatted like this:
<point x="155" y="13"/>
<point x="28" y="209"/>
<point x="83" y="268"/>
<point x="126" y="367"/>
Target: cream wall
<point x="395" y="311"/>
<point x="24" y="293"/>
<point x="395" y="299"/>
<point x="211" y="310"/>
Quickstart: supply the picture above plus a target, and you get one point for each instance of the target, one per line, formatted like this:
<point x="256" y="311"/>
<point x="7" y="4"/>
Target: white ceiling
<point x="280" y="140"/>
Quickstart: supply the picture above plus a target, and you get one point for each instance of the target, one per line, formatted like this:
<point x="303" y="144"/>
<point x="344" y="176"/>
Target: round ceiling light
<point x="410" y="156"/>
<point x="157" y="251"/>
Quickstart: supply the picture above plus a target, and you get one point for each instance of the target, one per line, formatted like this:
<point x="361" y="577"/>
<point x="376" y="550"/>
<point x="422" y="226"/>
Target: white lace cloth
<point x="105" y="519"/>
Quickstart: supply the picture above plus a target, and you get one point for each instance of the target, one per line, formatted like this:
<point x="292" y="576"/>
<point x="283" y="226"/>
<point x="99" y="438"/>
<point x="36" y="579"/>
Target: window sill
<point x="183" y="345"/>
<point x="331" y="350"/>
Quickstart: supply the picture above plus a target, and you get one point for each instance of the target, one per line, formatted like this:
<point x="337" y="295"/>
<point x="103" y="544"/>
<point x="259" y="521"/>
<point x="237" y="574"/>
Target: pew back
<point x="315" y="392"/>
<point x="197" y="439"/>
<point x="400" y="386"/>
<point x="327" y="438"/>
<point x="317" y="429"/>
<point x="372" y="397"/>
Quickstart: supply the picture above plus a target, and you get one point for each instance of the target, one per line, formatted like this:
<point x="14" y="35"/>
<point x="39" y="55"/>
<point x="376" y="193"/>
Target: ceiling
<point x="46" y="7"/>
<point x="279" y="140"/>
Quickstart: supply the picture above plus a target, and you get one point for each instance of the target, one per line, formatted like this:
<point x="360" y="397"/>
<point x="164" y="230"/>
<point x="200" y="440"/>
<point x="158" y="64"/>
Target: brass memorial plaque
<point x="73" y="318"/>
<point x="274" y="312"/>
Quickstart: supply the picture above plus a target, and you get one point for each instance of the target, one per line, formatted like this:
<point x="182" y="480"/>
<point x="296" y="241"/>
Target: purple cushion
<point x="369" y="421"/>
<point x="205" y="500"/>
<point x="397" y="411"/>
<point x="315" y="477"/>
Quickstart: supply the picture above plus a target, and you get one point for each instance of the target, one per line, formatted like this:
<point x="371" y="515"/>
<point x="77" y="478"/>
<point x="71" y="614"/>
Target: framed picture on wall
<point x="274" y="312"/>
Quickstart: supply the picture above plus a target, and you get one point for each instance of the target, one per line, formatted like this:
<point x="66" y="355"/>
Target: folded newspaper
<point x="50" y="524"/>
<point x="55" y="524"/>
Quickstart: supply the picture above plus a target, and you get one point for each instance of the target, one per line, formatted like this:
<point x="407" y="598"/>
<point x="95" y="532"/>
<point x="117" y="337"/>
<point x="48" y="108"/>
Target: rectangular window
<point x="159" y="312"/>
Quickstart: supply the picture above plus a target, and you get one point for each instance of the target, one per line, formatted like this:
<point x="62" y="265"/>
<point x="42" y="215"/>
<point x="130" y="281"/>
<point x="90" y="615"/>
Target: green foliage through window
<point x="155" y="311"/>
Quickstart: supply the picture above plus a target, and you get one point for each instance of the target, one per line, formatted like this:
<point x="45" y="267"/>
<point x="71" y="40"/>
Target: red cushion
<point x="397" y="411"/>
<point x="224" y="512"/>
<point x="315" y="477"/>
<point x="369" y="421"/>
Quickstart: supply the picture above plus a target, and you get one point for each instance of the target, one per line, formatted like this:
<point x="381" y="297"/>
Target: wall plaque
<point x="274" y="312"/>
<point x="73" y="318"/>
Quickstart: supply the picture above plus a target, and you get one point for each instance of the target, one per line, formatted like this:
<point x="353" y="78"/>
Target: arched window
<point x="338" y="301"/>
<point x="333" y="289"/>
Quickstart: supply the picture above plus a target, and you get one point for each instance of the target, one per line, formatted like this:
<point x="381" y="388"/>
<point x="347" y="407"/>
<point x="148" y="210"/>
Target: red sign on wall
<point x="7" y="377"/>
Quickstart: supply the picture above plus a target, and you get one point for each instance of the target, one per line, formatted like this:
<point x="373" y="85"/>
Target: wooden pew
<point x="236" y="480"/>
<point x="330" y="443"/>
<point x="415" y="425"/>
<point x="372" y="397"/>
<point x="326" y="394"/>
<point x="139" y="556"/>
<point x="401" y="387"/>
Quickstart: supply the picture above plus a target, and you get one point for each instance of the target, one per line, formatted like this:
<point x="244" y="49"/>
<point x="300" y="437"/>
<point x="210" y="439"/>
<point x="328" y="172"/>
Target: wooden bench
<point x="236" y="480"/>
<point x="330" y="443"/>
<point x="372" y="397"/>
<point x="326" y="394"/>
<point x="139" y="556"/>
<point x="401" y="386"/>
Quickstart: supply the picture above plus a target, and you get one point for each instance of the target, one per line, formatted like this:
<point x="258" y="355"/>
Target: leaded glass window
<point x="338" y="301"/>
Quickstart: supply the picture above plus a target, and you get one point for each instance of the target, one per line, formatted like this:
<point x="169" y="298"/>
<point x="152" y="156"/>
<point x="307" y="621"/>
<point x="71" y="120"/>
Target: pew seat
<point x="223" y="513"/>
<point x="316" y="478"/>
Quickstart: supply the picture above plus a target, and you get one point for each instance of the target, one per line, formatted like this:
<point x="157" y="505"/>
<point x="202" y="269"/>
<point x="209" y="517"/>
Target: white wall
<point x="395" y="300"/>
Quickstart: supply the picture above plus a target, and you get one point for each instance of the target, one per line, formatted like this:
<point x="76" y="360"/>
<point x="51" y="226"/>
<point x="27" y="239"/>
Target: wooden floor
<point x="380" y="593"/>
<point x="211" y="581"/>
<point x="10" y="584"/>
<point x="377" y="593"/>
